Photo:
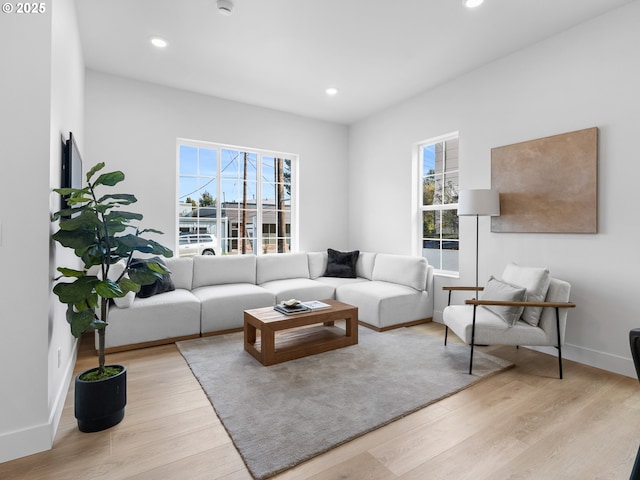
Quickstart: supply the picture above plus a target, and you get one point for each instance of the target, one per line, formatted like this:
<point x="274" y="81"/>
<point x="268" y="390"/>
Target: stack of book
<point x="291" y="308"/>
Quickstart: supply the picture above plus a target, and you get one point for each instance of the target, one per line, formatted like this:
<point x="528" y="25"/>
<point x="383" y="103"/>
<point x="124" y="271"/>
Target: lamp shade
<point x="479" y="202"/>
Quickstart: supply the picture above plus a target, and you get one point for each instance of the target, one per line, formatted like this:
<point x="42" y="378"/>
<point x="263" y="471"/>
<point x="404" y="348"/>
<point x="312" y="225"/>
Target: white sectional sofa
<point x="212" y="292"/>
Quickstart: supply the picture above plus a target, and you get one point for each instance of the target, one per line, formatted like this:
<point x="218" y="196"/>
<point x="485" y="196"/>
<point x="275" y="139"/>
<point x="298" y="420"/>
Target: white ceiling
<point x="283" y="54"/>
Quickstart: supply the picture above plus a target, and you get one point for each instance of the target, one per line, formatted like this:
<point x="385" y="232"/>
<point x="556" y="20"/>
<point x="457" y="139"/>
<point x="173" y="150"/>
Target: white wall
<point x="133" y="127"/>
<point x="24" y="186"/>
<point x="67" y="115"/>
<point x="36" y="92"/>
<point x="587" y="76"/>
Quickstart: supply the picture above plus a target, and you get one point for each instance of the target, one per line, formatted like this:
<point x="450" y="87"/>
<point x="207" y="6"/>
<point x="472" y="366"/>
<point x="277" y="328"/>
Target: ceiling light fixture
<point x="472" y="3"/>
<point x="159" y="42"/>
<point x="331" y="91"/>
<point x="225" y="7"/>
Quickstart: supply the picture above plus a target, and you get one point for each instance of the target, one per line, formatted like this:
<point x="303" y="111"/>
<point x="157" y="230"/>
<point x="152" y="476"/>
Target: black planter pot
<point x="100" y="405"/>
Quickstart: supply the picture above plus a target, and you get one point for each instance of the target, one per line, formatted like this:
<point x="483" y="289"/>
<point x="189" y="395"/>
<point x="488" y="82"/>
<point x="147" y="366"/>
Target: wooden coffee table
<point x="298" y="335"/>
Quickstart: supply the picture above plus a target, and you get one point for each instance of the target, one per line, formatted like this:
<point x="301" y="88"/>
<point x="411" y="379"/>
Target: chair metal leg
<point x="473" y="339"/>
<point x="446" y="329"/>
<point x="559" y="345"/>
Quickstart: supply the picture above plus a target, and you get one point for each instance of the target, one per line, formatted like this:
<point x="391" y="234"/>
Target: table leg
<point x="268" y="346"/>
<point x="351" y="328"/>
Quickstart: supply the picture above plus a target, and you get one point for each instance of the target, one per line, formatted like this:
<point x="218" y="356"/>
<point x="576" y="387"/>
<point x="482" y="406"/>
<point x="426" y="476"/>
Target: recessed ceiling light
<point x="159" y="42"/>
<point x="225" y="7"/>
<point x="472" y="3"/>
<point x="331" y="91"/>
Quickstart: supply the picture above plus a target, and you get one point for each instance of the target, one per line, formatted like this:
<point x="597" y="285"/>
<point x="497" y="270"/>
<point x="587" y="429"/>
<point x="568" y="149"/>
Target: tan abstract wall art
<point x="548" y="185"/>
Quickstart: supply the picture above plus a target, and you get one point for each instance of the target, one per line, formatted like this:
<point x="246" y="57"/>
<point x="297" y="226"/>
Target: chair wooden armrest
<point x="521" y="304"/>
<point x="458" y="288"/>
<point x="455" y="287"/>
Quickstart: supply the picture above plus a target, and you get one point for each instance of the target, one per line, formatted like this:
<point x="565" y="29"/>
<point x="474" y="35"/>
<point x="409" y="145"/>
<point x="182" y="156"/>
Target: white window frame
<point x="419" y="208"/>
<point x="258" y="236"/>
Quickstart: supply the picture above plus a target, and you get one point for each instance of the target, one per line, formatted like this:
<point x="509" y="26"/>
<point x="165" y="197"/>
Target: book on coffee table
<point x="291" y="310"/>
<point x="315" y="305"/>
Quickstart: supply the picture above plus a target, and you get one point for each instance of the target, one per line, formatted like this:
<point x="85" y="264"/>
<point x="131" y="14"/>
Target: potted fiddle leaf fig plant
<point x="103" y="238"/>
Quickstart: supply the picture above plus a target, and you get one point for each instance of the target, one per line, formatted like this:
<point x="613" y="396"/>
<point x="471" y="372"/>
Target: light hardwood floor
<point x="520" y="424"/>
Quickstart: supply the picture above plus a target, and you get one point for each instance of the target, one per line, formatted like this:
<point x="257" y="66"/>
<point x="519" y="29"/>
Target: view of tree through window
<point x="239" y="199"/>
<point x="439" y="215"/>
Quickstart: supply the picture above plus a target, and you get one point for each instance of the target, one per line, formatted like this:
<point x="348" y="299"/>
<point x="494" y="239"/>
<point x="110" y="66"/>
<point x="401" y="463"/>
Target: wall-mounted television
<point x="71" y="168"/>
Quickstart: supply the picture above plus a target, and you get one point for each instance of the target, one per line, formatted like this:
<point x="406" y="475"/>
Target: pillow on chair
<point x="505" y="292"/>
<point x="536" y="281"/>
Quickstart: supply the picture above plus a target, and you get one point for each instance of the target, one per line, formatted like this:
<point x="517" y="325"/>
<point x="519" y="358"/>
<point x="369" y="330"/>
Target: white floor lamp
<point x="478" y="203"/>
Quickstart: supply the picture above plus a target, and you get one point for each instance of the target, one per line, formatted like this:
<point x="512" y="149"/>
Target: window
<point x="243" y="198"/>
<point x="438" y="171"/>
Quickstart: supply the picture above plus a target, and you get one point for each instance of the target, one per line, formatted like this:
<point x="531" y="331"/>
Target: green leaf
<point x="157" y="267"/>
<point x="108" y="289"/>
<point x="150" y="230"/>
<point x="76" y="240"/>
<point x="160" y="249"/>
<point x="66" y="191"/>
<point x="120" y="198"/>
<point x="143" y="275"/>
<point x="76" y="292"/>
<point x="86" y="220"/>
<point x="119" y="215"/>
<point x="127" y="285"/>
<point x="96" y="168"/>
<point x="98" y="324"/>
<point x="69" y="272"/>
<point x="79" y="321"/>
<point x="78" y="200"/>
<point x="109" y="179"/>
<point x="93" y="301"/>
<point x="67" y="212"/>
<point x="134" y="242"/>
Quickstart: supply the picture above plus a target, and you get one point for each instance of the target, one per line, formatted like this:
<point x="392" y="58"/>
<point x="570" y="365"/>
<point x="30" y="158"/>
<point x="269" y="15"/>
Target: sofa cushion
<point x="281" y="266"/>
<point x="384" y="304"/>
<point x="337" y="282"/>
<point x="317" y="264"/>
<point x="303" y="289"/>
<point x="181" y="271"/>
<point x="494" y="329"/>
<point x="401" y="269"/>
<point x="223" y="306"/>
<point x="220" y="270"/>
<point x="341" y="264"/>
<point x="170" y="315"/>
<point x="536" y="281"/>
<point x="504" y="292"/>
<point x="364" y="265"/>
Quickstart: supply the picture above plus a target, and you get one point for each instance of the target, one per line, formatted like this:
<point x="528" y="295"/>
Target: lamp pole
<point x="477" y="203"/>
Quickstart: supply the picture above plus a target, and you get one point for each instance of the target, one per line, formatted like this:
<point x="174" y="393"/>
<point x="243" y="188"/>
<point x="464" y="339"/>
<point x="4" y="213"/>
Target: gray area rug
<point x="284" y="414"/>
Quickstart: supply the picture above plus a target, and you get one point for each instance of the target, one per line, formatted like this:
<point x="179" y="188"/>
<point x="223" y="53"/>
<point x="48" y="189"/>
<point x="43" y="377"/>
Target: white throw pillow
<point x="536" y="280"/>
<point x="115" y="270"/>
<point x="504" y="292"/>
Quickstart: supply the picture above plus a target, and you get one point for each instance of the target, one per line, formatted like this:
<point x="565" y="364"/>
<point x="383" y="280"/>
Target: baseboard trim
<point x="593" y="358"/>
<point x="153" y="343"/>
<point x="39" y="438"/>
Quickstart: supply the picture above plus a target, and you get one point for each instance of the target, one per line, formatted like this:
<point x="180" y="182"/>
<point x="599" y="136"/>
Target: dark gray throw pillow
<point x="161" y="285"/>
<point x="341" y="264"/>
